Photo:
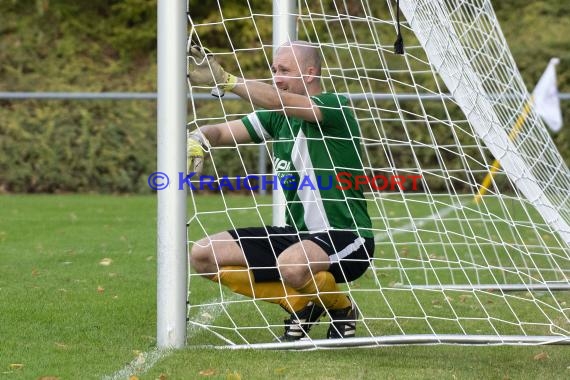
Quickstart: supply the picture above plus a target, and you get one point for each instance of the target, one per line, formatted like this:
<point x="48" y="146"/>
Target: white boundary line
<point x="413" y="225"/>
<point x="146" y="360"/>
<point x="142" y="363"/>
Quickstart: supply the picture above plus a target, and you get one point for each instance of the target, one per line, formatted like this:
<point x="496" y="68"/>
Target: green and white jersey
<point x="307" y="157"/>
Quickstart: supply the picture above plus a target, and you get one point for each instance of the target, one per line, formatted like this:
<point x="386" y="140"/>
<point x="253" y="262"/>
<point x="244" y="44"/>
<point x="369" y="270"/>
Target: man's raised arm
<point x="205" y="70"/>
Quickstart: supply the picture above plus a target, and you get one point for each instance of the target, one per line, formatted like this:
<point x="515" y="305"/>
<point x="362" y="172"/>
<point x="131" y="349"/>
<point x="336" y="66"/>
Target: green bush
<point x="60" y="146"/>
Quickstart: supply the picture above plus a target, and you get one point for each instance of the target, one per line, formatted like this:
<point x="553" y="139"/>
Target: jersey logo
<point x="322" y="241"/>
<point x="281" y="164"/>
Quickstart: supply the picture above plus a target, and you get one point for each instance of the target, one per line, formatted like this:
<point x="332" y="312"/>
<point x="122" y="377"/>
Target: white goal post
<point x="447" y="268"/>
<point x="172" y="269"/>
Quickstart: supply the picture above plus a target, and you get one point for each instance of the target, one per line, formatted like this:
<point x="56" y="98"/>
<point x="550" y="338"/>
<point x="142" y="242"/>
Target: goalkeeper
<point x="328" y="238"/>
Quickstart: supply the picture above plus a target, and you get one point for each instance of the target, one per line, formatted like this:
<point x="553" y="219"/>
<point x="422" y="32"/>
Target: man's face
<point x="286" y="71"/>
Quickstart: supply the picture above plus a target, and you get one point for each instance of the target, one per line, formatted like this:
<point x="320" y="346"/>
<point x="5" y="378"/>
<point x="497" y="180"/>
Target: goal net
<point x="451" y="265"/>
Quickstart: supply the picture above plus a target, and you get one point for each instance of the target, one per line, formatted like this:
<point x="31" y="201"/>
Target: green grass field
<point x="78" y="300"/>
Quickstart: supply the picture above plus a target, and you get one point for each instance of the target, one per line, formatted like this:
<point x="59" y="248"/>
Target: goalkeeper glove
<point x="197" y="144"/>
<point x="203" y="69"/>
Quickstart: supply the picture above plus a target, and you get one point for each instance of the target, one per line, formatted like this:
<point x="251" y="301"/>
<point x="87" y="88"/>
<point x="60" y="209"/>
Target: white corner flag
<point x="546" y="100"/>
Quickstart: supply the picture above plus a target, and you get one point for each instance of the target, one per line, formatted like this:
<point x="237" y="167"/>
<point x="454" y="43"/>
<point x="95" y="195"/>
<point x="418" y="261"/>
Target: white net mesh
<point x="445" y="263"/>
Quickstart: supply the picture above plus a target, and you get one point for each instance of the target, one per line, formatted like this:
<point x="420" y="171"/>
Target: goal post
<point x="449" y="267"/>
<point x="284" y="30"/>
<point x="172" y="269"/>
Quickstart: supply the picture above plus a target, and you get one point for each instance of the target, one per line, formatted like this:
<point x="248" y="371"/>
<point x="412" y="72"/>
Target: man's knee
<point x="294" y="274"/>
<point x="211" y="253"/>
<point x="202" y="257"/>
<point x="300" y="261"/>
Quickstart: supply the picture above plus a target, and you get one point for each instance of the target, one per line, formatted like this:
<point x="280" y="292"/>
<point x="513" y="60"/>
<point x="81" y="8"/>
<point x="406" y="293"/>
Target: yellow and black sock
<point x="240" y="280"/>
<point x="324" y="286"/>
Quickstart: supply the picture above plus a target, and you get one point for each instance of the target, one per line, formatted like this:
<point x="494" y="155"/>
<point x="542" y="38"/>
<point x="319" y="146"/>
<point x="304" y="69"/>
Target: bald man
<point x="327" y="238"/>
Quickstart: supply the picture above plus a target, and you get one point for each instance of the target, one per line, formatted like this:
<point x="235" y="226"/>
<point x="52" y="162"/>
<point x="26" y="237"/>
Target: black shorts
<point x="349" y="253"/>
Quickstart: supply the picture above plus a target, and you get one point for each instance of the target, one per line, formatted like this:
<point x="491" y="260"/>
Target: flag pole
<point x="485" y="185"/>
<point x="545" y="100"/>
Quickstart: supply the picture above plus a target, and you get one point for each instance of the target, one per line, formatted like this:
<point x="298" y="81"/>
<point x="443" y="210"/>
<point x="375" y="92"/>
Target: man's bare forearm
<point x="226" y="134"/>
<point x="213" y="133"/>
<point x="268" y="97"/>
<point x="260" y="94"/>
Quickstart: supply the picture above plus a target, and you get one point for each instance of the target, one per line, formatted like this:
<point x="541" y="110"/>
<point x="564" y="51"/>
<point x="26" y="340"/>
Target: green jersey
<point x="308" y="158"/>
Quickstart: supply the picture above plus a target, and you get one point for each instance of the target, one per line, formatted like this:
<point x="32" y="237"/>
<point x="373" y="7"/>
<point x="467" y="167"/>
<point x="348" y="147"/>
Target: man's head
<point x="297" y="68"/>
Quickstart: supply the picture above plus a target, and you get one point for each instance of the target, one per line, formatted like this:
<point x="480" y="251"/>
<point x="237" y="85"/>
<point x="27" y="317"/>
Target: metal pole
<point x="261" y="165"/>
<point x="172" y="271"/>
<point x="16" y="95"/>
<point x="414" y="339"/>
<point x="284" y="30"/>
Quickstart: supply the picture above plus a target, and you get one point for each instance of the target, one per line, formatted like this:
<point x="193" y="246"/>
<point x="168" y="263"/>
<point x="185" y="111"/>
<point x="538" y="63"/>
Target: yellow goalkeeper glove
<point x="197" y="144"/>
<point x="204" y="70"/>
